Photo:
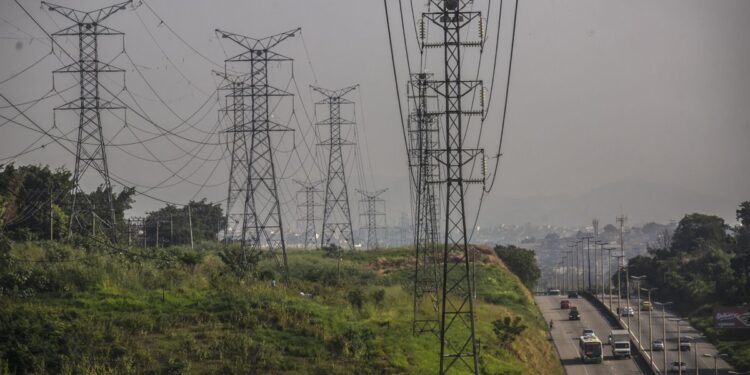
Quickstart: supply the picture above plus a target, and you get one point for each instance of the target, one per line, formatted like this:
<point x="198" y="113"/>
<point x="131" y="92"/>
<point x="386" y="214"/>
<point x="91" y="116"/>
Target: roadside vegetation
<point x="704" y="264"/>
<point x="84" y="308"/>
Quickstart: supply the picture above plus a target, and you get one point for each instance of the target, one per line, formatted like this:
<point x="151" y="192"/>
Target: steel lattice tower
<point x="423" y="133"/>
<point x="309" y="190"/>
<point x="261" y="219"/>
<point x="457" y="335"/>
<point x="336" y="213"/>
<point x="237" y="110"/>
<point x="90" y="145"/>
<point x="374" y="208"/>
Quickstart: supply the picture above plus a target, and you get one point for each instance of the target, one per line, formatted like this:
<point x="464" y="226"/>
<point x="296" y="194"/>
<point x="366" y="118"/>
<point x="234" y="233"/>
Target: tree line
<point x="705" y="263"/>
<point x="36" y="201"/>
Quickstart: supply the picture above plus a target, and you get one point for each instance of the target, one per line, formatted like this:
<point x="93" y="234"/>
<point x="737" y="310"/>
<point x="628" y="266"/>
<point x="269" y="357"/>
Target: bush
<point x="378" y="296"/>
<point x="356" y="299"/>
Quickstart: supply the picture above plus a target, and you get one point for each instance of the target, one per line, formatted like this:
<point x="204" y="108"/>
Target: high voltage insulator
<point x="90" y="145"/>
<point x="261" y="222"/>
<point x="422" y="29"/>
<point x="481" y="29"/>
<point x="483" y="98"/>
<point x="484" y="168"/>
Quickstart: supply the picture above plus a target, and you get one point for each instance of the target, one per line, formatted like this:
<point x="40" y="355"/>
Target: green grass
<point x="98" y="313"/>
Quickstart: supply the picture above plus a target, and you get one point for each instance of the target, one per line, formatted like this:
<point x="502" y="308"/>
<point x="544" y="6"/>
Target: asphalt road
<point x="705" y="364"/>
<point x="565" y="335"/>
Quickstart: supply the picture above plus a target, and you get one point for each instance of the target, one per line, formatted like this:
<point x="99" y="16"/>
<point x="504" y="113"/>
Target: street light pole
<point x="571" y="281"/>
<point x="638" y="279"/>
<point x="716" y="364"/>
<point x="609" y="280"/>
<point x="664" y="330"/>
<point x="619" y="286"/>
<point x="679" y="342"/>
<point x="650" y="327"/>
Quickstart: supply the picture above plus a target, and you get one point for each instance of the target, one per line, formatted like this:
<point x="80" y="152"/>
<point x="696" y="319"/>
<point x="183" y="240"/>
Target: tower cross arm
<point x="94" y="16"/>
<point x="334" y="93"/>
<point x="253" y="44"/>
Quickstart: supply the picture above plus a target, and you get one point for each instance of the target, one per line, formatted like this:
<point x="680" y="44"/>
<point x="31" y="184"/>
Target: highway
<point x="565" y="335"/>
<point x="706" y="364"/>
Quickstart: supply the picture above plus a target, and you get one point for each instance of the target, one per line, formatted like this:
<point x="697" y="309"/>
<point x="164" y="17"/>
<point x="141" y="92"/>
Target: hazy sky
<point x="634" y="106"/>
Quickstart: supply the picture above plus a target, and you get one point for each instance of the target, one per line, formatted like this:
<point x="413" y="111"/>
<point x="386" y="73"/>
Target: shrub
<point x="356" y="299"/>
<point x="378" y="296"/>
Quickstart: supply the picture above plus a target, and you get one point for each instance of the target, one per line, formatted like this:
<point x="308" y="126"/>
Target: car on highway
<point x="564" y="304"/>
<point x="553" y="292"/>
<point x="588" y="332"/>
<point x="626" y="311"/>
<point x="684" y="345"/>
<point x="646" y="306"/>
<point x="574" y="314"/>
<point x="657" y="346"/>
<point x="573" y="295"/>
<point x="677" y="367"/>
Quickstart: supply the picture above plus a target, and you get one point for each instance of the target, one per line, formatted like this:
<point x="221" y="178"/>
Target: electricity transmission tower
<point x="423" y="132"/>
<point x="372" y="207"/>
<point x="457" y="334"/>
<point x="237" y="110"/>
<point x="261" y="217"/>
<point x="90" y="150"/>
<point x="336" y="214"/>
<point x="309" y="190"/>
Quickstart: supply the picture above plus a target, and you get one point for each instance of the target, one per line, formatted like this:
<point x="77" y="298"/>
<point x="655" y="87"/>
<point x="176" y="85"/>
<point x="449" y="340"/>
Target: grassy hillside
<point x="84" y="310"/>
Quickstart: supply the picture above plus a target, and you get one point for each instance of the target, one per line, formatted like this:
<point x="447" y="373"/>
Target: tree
<point x="506" y="330"/>
<point x="743" y="214"/>
<point x="29" y="193"/>
<point x="521" y="262"/>
<point x="174" y="223"/>
<point x="695" y="231"/>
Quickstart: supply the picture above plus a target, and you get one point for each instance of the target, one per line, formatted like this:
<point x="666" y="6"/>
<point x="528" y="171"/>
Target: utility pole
<point x="91" y="101"/>
<point x="424" y="132"/>
<point x="372" y="207"/>
<point x="261" y="219"/>
<point x="309" y="190"/>
<point x="337" y="216"/>
<point x="457" y="335"/>
<point x="621" y="223"/>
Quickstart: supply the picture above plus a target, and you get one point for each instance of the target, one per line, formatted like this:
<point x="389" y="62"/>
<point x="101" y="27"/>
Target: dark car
<point x="573" y="295"/>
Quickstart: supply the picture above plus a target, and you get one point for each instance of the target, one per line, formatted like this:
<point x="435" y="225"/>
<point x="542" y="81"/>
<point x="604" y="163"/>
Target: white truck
<point x="620" y="341"/>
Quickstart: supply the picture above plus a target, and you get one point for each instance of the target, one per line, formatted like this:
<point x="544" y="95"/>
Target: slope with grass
<point x="85" y="310"/>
